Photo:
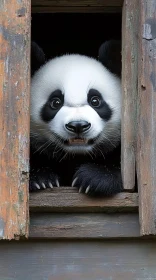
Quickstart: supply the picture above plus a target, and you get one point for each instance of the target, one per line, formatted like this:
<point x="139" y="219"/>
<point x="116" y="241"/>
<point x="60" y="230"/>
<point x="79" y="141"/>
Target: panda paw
<point x="43" y="178"/>
<point x="97" y="180"/>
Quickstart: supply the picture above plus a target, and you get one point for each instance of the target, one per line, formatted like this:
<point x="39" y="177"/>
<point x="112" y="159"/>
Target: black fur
<point x="110" y="56"/>
<point x="96" y="179"/>
<point x="48" y="112"/>
<point x="96" y="175"/>
<point x="37" y="57"/>
<point x="101" y="173"/>
<point x="104" y="111"/>
<point x="42" y="177"/>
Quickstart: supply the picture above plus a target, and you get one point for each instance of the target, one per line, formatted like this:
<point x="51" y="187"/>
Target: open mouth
<point x="78" y="142"/>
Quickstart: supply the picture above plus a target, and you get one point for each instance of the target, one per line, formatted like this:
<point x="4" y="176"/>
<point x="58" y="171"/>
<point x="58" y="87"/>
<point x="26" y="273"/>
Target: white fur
<point x="74" y="75"/>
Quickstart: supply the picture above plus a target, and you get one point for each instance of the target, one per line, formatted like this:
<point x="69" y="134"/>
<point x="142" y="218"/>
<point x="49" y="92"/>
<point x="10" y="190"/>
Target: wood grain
<point x="83" y="226"/>
<point x="109" y="260"/>
<point x="146" y="142"/>
<point x="99" y="6"/>
<point x="14" y="117"/>
<point x="129" y="92"/>
<point x="72" y="9"/>
<point x="69" y="200"/>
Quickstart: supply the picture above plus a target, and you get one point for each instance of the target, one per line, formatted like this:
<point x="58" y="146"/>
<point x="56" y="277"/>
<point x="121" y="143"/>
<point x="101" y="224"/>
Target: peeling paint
<point x="8" y="36"/>
<point x="1" y="228"/>
<point x="149" y="29"/>
<point x="15" y="208"/>
<point x="21" y="196"/>
<point x="153" y="80"/>
<point x="21" y="12"/>
<point x="1" y="5"/>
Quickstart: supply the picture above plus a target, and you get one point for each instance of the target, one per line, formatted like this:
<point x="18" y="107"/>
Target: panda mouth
<point x="78" y="142"/>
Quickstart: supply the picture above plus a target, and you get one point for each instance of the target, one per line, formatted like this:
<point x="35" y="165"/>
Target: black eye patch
<point x="96" y="101"/>
<point x="52" y="106"/>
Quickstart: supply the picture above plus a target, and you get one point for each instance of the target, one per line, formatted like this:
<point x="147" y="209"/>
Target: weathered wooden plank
<point x="76" y="6"/>
<point x="72" y="9"/>
<point x="83" y="226"/>
<point x="146" y="142"/>
<point x="77" y="3"/>
<point x="109" y="260"/>
<point x="14" y="117"/>
<point x="129" y="91"/>
<point x="69" y="200"/>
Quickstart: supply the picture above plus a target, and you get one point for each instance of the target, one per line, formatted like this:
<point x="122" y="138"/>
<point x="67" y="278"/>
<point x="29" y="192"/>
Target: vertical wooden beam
<point x="14" y="117"/>
<point x="129" y="91"/>
<point x="146" y="142"/>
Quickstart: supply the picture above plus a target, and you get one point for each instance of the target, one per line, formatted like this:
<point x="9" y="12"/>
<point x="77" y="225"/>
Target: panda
<point x="75" y="122"/>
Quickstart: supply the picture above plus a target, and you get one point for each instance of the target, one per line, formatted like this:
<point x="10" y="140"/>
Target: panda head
<point x="75" y="106"/>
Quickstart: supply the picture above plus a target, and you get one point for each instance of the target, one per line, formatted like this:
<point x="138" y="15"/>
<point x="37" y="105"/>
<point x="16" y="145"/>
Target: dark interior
<point x="62" y="33"/>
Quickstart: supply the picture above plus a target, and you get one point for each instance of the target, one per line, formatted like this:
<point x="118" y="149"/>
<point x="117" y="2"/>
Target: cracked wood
<point x="146" y="140"/>
<point x="14" y="117"/>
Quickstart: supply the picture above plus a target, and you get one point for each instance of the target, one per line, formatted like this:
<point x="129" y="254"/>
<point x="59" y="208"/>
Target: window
<point x="138" y="111"/>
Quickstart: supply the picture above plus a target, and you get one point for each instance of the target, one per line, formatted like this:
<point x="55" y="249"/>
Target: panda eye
<point x="95" y="101"/>
<point x="56" y="103"/>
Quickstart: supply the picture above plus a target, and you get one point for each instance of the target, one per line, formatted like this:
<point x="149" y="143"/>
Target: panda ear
<point x="110" y="56"/>
<point x="37" y="57"/>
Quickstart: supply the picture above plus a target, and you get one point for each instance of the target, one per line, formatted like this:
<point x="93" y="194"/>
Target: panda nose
<point x="78" y="126"/>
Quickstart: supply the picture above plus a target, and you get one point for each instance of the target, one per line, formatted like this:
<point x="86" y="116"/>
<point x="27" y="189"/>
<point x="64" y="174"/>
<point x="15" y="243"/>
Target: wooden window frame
<point x="14" y="117"/>
<point x="48" y="209"/>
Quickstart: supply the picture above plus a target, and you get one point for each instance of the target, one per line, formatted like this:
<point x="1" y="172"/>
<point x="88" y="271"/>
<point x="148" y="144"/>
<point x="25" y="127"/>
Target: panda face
<point x="75" y="104"/>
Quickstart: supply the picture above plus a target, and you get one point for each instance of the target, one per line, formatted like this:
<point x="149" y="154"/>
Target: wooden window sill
<point x="68" y="199"/>
<point x="63" y="213"/>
